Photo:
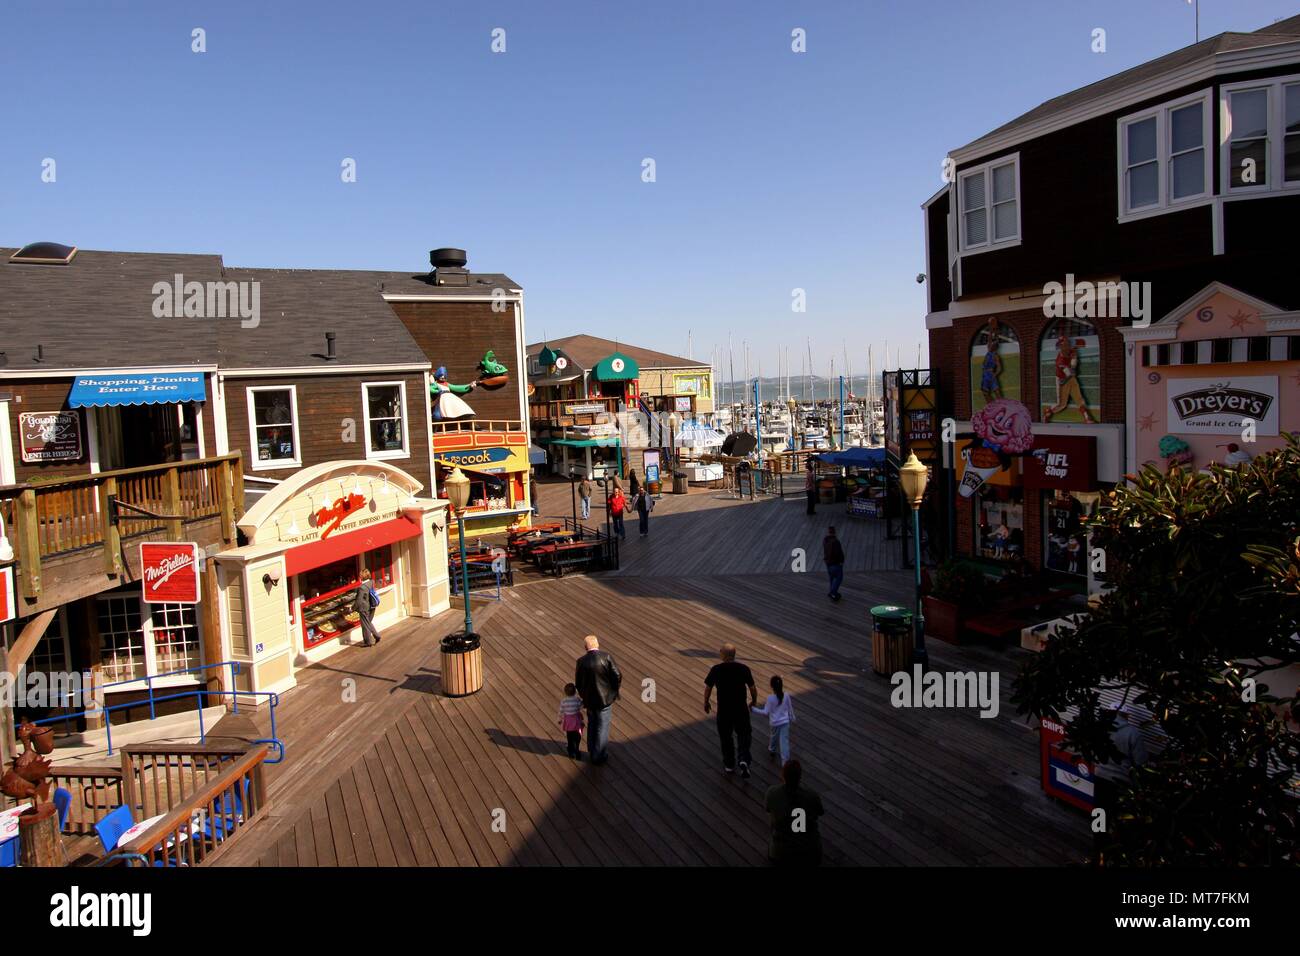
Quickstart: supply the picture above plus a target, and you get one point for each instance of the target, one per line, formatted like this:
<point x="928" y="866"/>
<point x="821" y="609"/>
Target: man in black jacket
<point x="833" y="554"/>
<point x="598" y="680"/>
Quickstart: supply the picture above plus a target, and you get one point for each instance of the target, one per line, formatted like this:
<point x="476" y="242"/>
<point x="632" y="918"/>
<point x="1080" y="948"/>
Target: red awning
<point x="339" y="546"/>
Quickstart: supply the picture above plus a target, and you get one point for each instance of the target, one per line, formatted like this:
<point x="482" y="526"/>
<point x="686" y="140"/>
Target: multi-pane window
<point x="272" y="415"/>
<point x="1248" y="143"/>
<point x="385" y="419"/>
<point x="1164" y="156"/>
<point x="1261" y="147"/>
<point x="121" y="638"/>
<point x="175" y="637"/>
<point x="990" y="208"/>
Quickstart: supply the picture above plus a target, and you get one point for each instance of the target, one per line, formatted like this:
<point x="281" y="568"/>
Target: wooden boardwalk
<point x="404" y="776"/>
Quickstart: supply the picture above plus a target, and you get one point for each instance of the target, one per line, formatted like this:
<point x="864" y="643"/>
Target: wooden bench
<point x="573" y="555"/>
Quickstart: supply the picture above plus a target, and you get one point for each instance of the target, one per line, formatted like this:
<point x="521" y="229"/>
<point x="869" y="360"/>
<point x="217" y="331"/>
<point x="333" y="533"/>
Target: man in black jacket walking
<point x="833" y="554"/>
<point x="597" y="679"/>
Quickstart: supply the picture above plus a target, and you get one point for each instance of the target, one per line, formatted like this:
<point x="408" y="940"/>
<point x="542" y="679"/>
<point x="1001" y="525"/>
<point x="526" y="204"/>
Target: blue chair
<point x="9" y="852"/>
<point x="223" y="820"/>
<point x="111" y="828"/>
<point x="63" y="801"/>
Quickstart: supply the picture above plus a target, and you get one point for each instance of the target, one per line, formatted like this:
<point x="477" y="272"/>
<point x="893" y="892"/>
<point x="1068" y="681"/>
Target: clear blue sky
<point x="775" y="170"/>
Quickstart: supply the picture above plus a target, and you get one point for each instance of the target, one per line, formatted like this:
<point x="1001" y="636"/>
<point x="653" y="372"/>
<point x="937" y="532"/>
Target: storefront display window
<point x="385" y="404"/>
<point x="380" y="564"/>
<point x="994" y="365"/>
<point x="1069" y="372"/>
<point x="1000" y="523"/>
<point x="175" y="637"/>
<point x="1066" y="546"/>
<point x="121" y="638"/>
<point x="328" y="594"/>
<point x="486" y="492"/>
<point x="273" y="420"/>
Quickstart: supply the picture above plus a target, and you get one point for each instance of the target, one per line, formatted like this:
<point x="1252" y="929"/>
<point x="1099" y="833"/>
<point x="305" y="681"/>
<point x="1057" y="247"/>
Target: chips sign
<point x="169" y="572"/>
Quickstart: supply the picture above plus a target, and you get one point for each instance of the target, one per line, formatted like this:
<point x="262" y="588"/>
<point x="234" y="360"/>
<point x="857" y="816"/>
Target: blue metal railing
<point x="153" y="700"/>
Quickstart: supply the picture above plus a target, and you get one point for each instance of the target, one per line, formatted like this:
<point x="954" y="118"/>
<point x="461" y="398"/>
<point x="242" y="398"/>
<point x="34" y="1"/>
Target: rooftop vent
<point x="45" y="253"/>
<point x="449" y="266"/>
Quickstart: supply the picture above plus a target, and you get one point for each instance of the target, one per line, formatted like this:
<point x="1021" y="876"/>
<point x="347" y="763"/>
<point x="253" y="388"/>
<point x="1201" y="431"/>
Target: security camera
<point x="920" y="277"/>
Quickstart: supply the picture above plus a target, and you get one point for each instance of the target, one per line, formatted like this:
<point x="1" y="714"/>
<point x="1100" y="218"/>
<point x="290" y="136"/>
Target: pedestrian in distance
<point x="833" y="555"/>
<point x="779" y="711"/>
<point x="571" y="720"/>
<point x="584" y="496"/>
<point x="732" y="679"/>
<point x="633" y="486"/>
<point x="597" y="679"/>
<point x="810" y="487"/>
<point x="645" y="504"/>
<point x="364" y="602"/>
<point x="618" y="505"/>
<point x="794" y="811"/>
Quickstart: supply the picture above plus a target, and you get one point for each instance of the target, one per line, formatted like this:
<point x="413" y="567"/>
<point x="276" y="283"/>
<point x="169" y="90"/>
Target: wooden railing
<point x="478" y="425"/>
<point x="69" y="515"/>
<point x="95" y="791"/>
<point x="158" y="777"/>
<point x="201" y="826"/>
<point x="555" y="410"/>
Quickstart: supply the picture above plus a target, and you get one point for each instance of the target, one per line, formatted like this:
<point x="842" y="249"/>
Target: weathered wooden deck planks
<point x="405" y="777"/>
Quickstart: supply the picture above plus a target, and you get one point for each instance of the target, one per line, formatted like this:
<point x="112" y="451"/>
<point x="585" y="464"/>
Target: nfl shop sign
<point x="8" y="605"/>
<point x="169" y="572"/>
<point x="1063" y="462"/>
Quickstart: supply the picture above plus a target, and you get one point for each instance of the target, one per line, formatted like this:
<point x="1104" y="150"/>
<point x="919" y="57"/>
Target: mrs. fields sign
<point x="1221" y="405"/>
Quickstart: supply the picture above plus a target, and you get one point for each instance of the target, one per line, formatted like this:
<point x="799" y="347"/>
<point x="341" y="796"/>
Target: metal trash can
<point x="680" y="484"/>
<point x="891" y="639"/>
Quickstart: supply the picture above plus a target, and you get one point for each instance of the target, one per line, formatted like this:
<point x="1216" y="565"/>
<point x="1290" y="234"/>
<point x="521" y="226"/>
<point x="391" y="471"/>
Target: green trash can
<point x="891" y="639"/>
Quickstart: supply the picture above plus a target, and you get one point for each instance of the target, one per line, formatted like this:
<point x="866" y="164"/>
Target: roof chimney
<point x="449" y="266"/>
<point x="330" y="354"/>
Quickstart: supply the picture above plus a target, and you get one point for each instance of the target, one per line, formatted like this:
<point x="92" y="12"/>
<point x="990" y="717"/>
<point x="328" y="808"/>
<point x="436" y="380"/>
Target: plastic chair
<point x="225" y="820"/>
<point x="63" y="801"/>
<point x="9" y="852"/>
<point x="111" y="828"/>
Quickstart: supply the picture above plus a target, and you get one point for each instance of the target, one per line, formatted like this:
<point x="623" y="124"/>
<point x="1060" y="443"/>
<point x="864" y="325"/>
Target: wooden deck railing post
<point x="112" y="537"/>
<point x="225" y="491"/>
<point x="171" y="495"/>
<point x="28" y="535"/>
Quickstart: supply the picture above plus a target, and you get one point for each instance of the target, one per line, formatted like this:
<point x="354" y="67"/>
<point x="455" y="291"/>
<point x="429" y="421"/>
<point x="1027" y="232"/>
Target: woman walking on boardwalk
<point x="779" y="711"/>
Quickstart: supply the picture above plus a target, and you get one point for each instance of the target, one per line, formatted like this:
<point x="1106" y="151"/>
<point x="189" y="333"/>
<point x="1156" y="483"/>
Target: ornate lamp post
<point x="913" y="477"/>
<point x="462" y="657"/>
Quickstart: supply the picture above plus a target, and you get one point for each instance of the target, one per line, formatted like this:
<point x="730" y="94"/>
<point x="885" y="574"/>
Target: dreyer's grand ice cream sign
<point x="1219" y="405"/>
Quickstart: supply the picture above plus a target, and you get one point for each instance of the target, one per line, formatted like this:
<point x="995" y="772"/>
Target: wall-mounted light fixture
<point x="272" y="577"/>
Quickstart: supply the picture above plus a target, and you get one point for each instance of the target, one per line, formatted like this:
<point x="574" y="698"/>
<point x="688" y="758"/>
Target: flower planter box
<point x="943" y="619"/>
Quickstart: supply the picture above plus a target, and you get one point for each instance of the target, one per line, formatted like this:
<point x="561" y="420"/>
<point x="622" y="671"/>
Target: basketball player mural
<point x="1067" y="380"/>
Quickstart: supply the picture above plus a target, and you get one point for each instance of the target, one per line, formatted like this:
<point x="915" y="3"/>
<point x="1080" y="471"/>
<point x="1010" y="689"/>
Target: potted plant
<point x="957" y="591"/>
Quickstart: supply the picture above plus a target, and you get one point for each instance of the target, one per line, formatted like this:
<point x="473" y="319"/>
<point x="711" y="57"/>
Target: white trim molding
<point x="276" y="463"/>
<point x="323" y="370"/>
<point x="1162" y="115"/>
<point x="991" y="241"/>
<point x="405" y="450"/>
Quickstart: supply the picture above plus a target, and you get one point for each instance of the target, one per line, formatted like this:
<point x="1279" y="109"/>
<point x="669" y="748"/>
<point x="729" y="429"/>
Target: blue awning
<point x="138" y="388"/>
<point x="857" y="457"/>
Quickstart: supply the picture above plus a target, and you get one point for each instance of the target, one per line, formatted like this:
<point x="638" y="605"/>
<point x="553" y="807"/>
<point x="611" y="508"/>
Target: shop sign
<point x="169" y="572"/>
<point x="1220" y="406"/>
<point x="479" y="456"/>
<point x="8" y="603"/>
<point x="50" y="436"/>
<point x="682" y="403"/>
<point x="651" y="463"/>
<point x="1065" y="462"/>
<point x="331" y="516"/>
<point x="920" y="426"/>
<point x="586" y="408"/>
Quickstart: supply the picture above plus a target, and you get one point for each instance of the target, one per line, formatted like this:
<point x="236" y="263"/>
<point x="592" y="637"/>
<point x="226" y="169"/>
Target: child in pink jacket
<point x="571" y="719"/>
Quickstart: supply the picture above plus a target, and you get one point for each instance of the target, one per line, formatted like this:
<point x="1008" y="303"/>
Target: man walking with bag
<point x="597" y="678"/>
<point x="367" y="599"/>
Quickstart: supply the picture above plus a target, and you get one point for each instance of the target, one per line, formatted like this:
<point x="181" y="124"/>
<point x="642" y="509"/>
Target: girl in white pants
<point x="779" y="710"/>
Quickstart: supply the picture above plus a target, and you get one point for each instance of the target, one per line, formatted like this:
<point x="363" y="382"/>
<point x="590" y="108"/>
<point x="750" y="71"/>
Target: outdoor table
<point x="9" y="821"/>
<point x="136" y="829"/>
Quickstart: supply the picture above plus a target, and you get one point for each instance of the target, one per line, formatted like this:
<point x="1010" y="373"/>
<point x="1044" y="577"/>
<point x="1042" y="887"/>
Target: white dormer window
<point x="1261" y="136"/>
<point x="989" y="200"/>
<point x="1164" y="157"/>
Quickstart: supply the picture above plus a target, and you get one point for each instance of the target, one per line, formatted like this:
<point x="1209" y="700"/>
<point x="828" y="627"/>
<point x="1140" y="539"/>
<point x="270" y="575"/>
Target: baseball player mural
<point x="1065" y="366"/>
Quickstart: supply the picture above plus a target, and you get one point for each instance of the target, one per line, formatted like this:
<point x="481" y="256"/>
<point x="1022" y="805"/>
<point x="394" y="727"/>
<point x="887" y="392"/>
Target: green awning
<point x="616" y="368"/>
<point x="546" y="358"/>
